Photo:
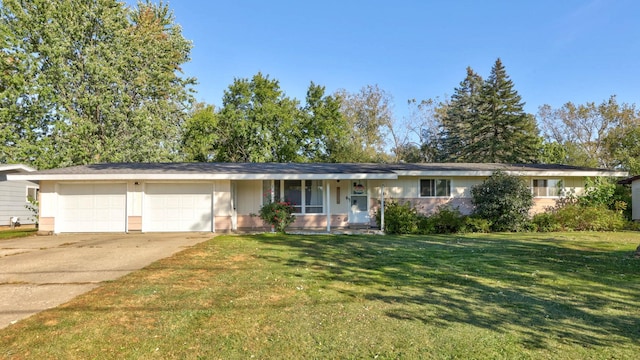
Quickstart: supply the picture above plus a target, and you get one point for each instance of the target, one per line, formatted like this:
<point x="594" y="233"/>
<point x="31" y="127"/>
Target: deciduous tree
<point x="259" y="123"/>
<point x="105" y="81"/>
<point x="595" y="135"/>
<point x="368" y="112"/>
<point x="200" y="134"/>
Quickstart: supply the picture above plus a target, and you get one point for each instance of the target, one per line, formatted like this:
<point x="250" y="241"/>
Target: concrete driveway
<point x="42" y="272"/>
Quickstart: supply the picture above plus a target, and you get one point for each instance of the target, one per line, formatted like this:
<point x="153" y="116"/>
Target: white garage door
<point x="91" y="208"/>
<point x="177" y="207"/>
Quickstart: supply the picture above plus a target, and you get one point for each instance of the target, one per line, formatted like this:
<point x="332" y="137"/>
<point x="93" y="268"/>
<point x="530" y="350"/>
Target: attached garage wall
<point x="91" y="208"/>
<point x="169" y="207"/>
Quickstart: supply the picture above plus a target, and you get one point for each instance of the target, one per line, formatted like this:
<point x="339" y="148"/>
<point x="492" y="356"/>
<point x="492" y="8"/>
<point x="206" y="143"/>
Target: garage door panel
<point x="177" y="207"/>
<point x="92" y="208"/>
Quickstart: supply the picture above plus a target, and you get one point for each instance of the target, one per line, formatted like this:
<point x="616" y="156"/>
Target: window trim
<point x="303" y="205"/>
<point x="561" y="187"/>
<point x="436" y="179"/>
<point x="36" y="190"/>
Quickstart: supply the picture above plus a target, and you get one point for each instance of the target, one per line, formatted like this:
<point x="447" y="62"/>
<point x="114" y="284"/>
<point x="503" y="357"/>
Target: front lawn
<point x="494" y="296"/>
<point x="17" y="233"/>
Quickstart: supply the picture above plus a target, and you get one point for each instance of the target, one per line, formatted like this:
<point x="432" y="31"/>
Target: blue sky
<point x="555" y="51"/>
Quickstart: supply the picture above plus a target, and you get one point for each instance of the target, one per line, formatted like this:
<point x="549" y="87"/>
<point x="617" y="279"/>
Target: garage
<point x="177" y="207"/>
<point x="91" y="208"/>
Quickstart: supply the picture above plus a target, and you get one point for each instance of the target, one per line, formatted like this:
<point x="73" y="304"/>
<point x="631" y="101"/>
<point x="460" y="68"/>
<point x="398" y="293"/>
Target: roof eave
<point x="181" y="177"/>
<point x="19" y="167"/>
<point x="541" y="173"/>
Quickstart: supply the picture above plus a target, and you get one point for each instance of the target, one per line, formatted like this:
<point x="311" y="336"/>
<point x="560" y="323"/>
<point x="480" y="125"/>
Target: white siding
<point x="249" y="194"/>
<point x="13" y="198"/>
<point x="222" y="198"/>
<point x="48" y="199"/>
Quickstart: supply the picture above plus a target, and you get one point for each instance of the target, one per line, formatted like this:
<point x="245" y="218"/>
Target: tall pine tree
<point x="463" y="113"/>
<point x="486" y="122"/>
<point x="505" y="132"/>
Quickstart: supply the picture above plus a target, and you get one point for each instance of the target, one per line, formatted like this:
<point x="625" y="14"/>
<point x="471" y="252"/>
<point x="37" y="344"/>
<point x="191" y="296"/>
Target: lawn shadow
<point x="542" y="288"/>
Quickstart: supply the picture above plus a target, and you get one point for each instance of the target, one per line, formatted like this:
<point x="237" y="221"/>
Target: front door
<point x="359" y="206"/>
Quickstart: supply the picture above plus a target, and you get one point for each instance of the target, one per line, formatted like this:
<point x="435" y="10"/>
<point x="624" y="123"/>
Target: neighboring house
<point x="635" y="195"/>
<point x="158" y="197"/>
<point x="14" y="194"/>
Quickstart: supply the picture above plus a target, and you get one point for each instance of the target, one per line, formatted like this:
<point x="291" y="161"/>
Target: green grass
<point x="495" y="296"/>
<point x="17" y="233"/>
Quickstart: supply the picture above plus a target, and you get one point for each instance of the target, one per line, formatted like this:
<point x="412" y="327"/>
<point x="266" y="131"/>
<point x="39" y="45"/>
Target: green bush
<point x="474" y="224"/>
<point x="632" y="225"/>
<point x="398" y="218"/>
<point x="277" y="214"/>
<point x="545" y="222"/>
<point x="426" y="225"/>
<point x="447" y="220"/>
<point x="577" y="217"/>
<point x="504" y="200"/>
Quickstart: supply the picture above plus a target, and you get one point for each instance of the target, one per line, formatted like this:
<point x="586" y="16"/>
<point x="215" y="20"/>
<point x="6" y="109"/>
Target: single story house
<point x="14" y="195"/>
<point x="213" y="197"/>
<point x="635" y="194"/>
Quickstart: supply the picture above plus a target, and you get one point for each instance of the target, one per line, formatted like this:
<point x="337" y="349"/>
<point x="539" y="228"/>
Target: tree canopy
<point x="96" y="82"/>
<point x="258" y="122"/>
<point x="596" y="135"/>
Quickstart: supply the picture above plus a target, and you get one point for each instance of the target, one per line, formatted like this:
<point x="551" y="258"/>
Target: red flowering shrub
<point x="277" y="214"/>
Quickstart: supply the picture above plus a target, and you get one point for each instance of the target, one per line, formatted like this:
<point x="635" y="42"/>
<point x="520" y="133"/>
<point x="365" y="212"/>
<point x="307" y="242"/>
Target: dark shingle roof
<point x="307" y="170"/>
<point x="222" y="168"/>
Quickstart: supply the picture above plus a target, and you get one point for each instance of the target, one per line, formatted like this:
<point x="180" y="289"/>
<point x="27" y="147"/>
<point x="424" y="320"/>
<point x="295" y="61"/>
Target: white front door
<point x="359" y="204"/>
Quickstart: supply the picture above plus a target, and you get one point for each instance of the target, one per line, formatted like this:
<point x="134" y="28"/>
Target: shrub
<point x="474" y="224"/>
<point x="588" y="218"/>
<point x="504" y="200"/>
<point x="32" y="206"/>
<point x="598" y="191"/>
<point x="604" y="191"/>
<point x="426" y="225"/>
<point x="277" y="214"/>
<point x="632" y="225"/>
<point x="398" y="218"/>
<point x="447" y="220"/>
<point x="545" y="222"/>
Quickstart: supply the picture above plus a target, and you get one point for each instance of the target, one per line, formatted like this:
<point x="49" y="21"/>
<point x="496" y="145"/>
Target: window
<point x="435" y="187"/>
<point x="32" y="193"/>
<point x="270" y="191"/>
<point x="293" y="194"/>
<point x="306" y="196"/>
<point x="313" y="196"/>
<point x="547" y="187"/>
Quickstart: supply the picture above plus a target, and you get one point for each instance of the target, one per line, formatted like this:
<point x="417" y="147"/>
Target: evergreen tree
<point x="504" y="132"/>
<point x="485" y="122"/>
<point x="462" y="115"/>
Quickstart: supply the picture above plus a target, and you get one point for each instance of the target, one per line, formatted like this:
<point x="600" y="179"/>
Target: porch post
<point x="382" y="207"/>
<point x="328" y="208"/>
